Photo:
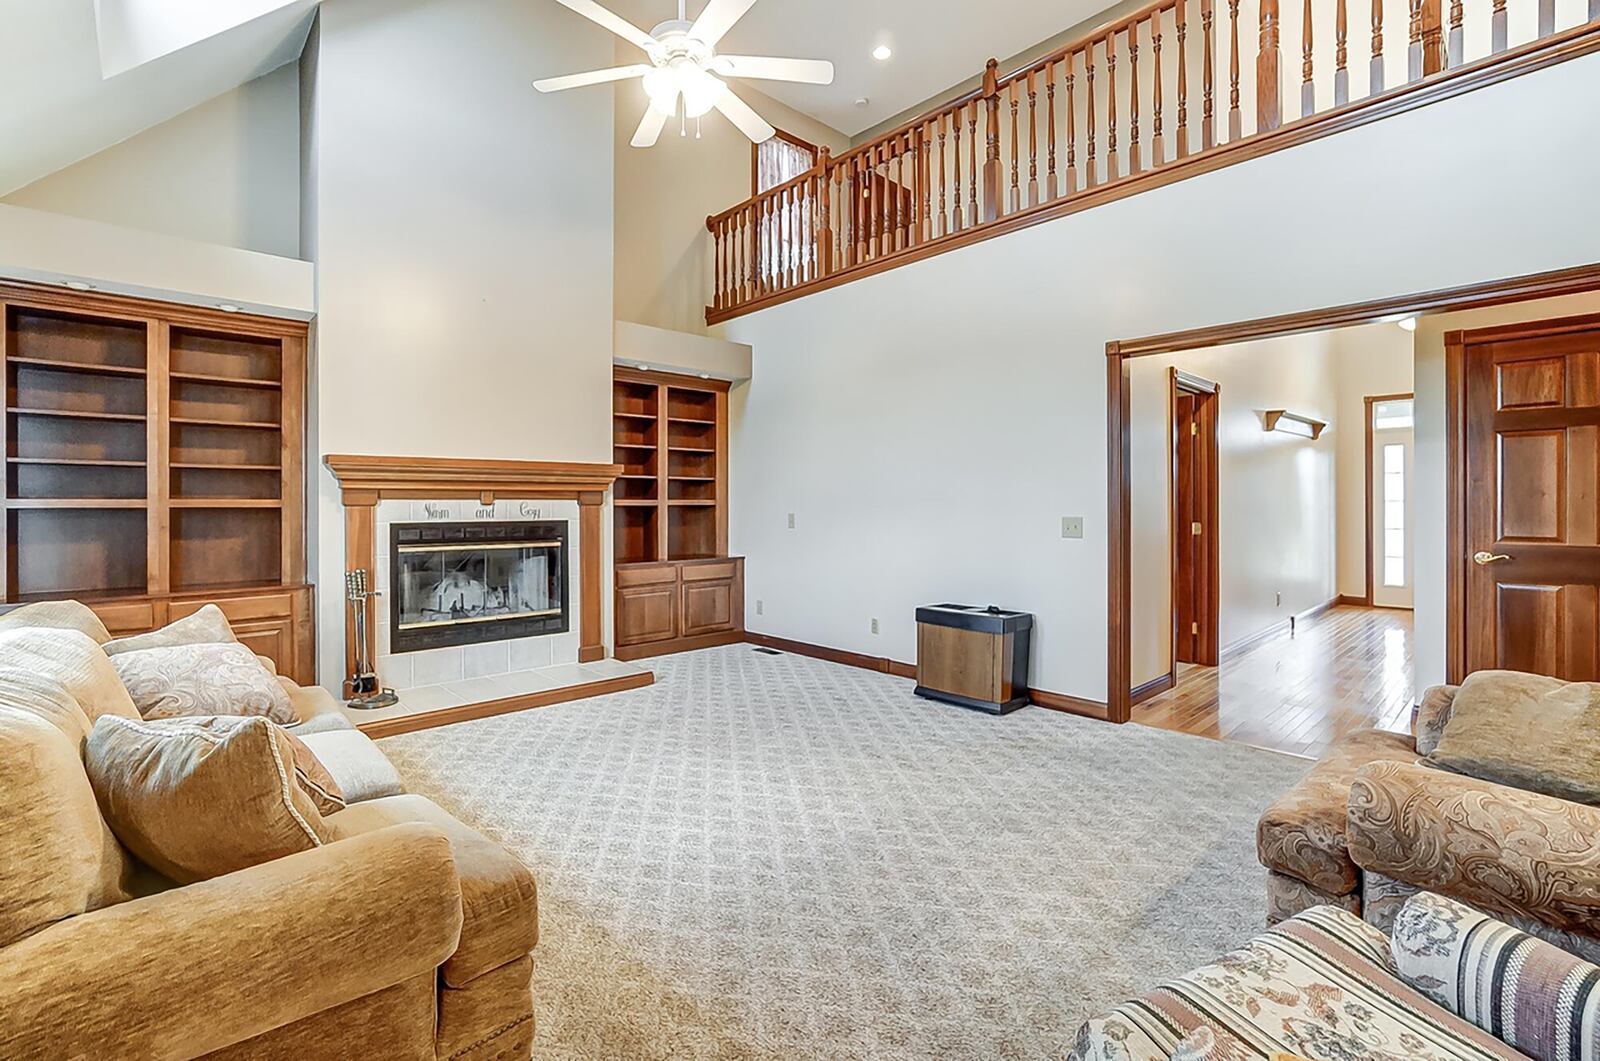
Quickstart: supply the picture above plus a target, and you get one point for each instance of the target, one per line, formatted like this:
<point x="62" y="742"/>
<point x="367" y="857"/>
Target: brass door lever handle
<point x="1483" y="557"/>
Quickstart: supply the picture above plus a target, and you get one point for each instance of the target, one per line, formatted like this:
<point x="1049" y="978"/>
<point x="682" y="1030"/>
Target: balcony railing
<point x="1137" y="103"/>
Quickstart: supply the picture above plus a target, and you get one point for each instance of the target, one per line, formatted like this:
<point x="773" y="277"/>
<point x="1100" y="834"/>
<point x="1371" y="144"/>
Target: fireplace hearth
<point x="466" y="583"/>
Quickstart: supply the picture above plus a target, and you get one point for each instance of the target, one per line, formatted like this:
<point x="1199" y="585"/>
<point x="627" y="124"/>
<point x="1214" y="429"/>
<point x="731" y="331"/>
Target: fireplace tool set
<point x="365" y="691"/>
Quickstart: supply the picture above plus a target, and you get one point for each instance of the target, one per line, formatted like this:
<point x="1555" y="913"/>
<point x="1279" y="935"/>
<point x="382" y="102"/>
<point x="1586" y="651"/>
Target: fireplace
<point x="465" y="583"/>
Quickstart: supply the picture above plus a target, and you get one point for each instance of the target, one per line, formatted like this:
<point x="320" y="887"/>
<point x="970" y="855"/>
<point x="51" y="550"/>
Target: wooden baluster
<point x="972" y="166"/>
<point x="925" y="169"/>
<point x="941" y="225"/>
<point x="1235" y="117"/>
<point x="715" y="226"/>
<point x="1341" y="55"/>
<point x="1269" y="82"/>
<point x="1208" y="116"/>
<point x="1015" y="200"/>
<point x="788" y="238"/>
<point x="825" y="258"/>
<point x="992" y="174"/>
<point x="894" y="187"/>
<point x="1158" y="147"/>
<point x="1456" y="47"/>
<point x="1497" y="26"/>
<point x="763" y="238"/>
<point x="1072" y="132"/>
<point x="1375" y="74"/>
<point x="1182" y="19"/>
<point x="1111" y="107"/>
<point x="886" y="187"/>
<point x="782" y="244"/>
<point x="1433" y="36"/>
<point x="1308" y="91"/>
<point x="842" y="239"/>
<point x="1091" y="172"/>
<point x="1135" y="163"/>
<point x="1414" y="42"/>
<point x="1547" y="17"/>
<point x="874" y="202"/>
<point x="1033" y="142"/>
<point x="860" y="204"/>
<point x="1051" y="185"/>
<point x="752" y="252"/>
<point x="956" y="214"/>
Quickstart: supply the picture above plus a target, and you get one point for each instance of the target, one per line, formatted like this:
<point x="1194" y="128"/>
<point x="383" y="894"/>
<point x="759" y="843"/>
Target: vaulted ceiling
<point x="59" y="108"/>
<point x="936" y="44"/>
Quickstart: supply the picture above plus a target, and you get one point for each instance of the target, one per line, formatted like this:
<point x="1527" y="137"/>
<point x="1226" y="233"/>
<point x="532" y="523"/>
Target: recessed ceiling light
<point x="644" y="367"/>
<point x="862" y="101"/>
<point x="705" y="375"/>
<point x="1409" y="324"/>
<point x="227" y="307"/>
<point x="883" y="53"/>
<point x="79" y="285"/>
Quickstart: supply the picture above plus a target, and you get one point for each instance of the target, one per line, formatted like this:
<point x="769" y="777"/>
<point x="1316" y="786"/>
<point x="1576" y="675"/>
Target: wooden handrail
<point x="1051" y="134"/>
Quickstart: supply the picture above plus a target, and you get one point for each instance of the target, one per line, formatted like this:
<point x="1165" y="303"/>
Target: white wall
<point x="226" y="172"/>
<point x="665" y="193"/>
<point x="1375" y="359"/>
<point x="929" y="426"/>
<point x="463" y="228"/>
<point x="53" y="248"/>
<point x="1276" y="519"/>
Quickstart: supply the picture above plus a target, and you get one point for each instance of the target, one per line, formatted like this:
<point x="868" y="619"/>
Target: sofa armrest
<point x="197" y="968"/>
<point x="1432" y="714"/>
<point x="1500" y="849"/>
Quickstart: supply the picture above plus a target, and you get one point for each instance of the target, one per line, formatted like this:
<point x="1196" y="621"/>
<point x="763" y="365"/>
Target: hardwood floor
<point x="1347" y="668"/>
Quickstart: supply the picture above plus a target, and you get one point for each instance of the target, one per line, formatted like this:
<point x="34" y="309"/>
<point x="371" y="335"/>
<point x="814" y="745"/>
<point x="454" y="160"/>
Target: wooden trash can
<point x="975" y="657"/>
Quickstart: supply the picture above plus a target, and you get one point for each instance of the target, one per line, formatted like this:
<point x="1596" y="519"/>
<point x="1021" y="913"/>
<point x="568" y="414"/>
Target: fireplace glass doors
<point x="463" y="583"/>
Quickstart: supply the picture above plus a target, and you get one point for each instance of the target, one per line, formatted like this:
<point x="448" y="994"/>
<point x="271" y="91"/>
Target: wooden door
<point x="1531" y="420"/>
<point x="1195" y="604"/>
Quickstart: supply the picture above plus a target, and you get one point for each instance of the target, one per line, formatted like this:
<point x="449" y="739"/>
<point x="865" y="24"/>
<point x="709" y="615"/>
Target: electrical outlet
<point x="874" y="626"/>
<point x="761" y="607"/>
<point x="1072" y="526"/>
<point x="791" y="521"/>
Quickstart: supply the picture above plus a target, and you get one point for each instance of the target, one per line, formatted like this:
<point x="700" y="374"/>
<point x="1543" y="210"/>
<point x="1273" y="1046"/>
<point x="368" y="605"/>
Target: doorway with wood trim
<point x="1196" y="501"/>
<point x="1536" y="620"/>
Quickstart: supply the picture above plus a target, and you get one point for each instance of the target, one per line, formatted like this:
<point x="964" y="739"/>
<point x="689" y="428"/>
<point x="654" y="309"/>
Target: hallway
<point x="1347" y="668"/>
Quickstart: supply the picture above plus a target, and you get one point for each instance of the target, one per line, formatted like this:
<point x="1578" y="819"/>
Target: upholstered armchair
<point x="1375" y="822"/>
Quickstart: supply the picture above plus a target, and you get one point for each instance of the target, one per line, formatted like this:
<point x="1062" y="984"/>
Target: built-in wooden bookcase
<point x="671" y="438"/>
<point x="676" y="585"/>
<point x="153" y="452"/>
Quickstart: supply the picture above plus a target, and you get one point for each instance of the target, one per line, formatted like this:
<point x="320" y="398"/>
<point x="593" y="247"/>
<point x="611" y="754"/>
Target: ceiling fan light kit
<point x="685" y="74"/>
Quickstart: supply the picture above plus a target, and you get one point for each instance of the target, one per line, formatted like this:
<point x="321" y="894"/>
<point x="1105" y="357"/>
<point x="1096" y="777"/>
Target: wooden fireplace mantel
<point x="364" y="481"/>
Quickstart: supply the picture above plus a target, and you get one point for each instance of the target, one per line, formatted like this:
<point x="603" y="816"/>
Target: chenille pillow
<point x="195" y="798"/>
<point x="57" y="615"/>
<point x="1526" y="731"/>
<point x="1532" y="995"/>
<point x="215" y="679"/>
<point x="208" y="626"/>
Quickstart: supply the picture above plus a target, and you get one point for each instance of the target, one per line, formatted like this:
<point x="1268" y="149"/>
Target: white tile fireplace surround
<point x="468" y="681"/>
<point x="438" y="666"/>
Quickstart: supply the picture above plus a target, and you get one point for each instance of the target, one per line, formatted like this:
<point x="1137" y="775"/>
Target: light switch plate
<point x="761" y="607"/>
<point x="1072" y="526"/>
<point x="791" y="521"/>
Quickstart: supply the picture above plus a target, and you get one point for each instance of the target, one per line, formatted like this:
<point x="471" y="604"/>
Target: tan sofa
<point x="407" y="937"/>
<point x="1372" y="824"/>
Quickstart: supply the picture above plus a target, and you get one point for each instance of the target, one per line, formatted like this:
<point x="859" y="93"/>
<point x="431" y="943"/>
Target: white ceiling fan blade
<point x="650" y="127"/>
<point x="615" y="23"/>
<point x="717" y="19"/>
<point x="593" y="77"/>
<point x="807" y="71"/>
<point x="749" y="122"/>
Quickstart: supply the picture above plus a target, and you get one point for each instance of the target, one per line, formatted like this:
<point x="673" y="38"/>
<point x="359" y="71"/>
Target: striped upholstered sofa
<point x="1451" y="985"/>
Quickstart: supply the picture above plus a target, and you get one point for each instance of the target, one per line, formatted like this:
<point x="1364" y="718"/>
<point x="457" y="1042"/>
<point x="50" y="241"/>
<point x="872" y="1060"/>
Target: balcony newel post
<point x="993" y="172"/>
<point x="1269" y="106"/>
<point x="824" y="208"/>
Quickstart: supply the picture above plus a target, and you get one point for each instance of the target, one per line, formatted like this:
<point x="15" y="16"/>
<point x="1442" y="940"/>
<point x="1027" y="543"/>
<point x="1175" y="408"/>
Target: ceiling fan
<point x="684" y="67"/>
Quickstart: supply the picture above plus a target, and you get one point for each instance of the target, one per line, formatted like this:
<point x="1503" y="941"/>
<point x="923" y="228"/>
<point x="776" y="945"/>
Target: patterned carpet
<point x="775" y="857"/>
